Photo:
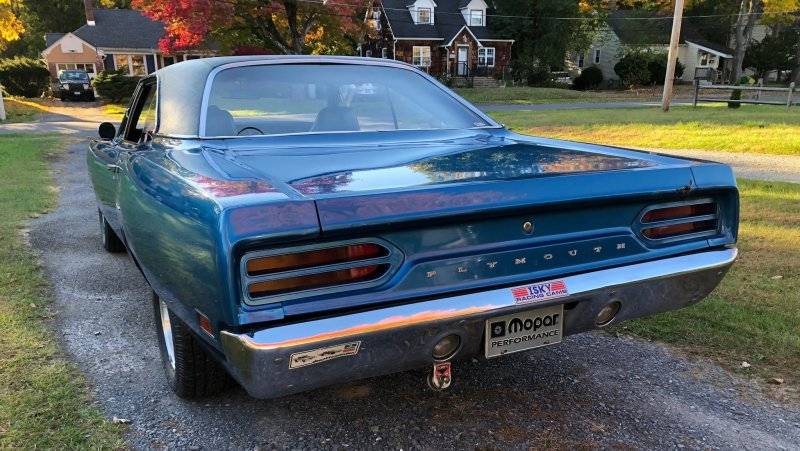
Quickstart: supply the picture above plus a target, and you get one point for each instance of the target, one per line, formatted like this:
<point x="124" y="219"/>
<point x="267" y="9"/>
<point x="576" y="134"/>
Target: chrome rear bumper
<point x="402" y="337"/>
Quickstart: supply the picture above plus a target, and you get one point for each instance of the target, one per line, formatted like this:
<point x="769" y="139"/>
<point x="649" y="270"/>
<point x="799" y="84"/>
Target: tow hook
<point x="441" y="377"/>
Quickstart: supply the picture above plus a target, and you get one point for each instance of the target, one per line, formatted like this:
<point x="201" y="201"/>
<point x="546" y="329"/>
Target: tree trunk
<point x="742" y="33"/>
<point x="796" y="71"/>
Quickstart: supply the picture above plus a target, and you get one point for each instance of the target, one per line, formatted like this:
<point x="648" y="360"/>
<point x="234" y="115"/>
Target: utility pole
<point x="672" y="59"/>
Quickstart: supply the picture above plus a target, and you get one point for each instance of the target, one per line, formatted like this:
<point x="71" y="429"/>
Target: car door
<point x="109" y="163"/>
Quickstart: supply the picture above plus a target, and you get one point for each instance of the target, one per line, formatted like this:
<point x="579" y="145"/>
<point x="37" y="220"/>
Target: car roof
<point x="182" y="86"/>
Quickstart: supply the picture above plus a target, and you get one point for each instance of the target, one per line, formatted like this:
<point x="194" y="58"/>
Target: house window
<point x="137" y="65"/>
<point x="121" y="63"/>
<point x="486" y="56"/>
<point x="384" y="53"/>
<point x="476" y="17"/>
<point x="422" y="56"/>
<point x="597" y="56"/>
<point x="424" y="15"/>
<point x="581" y="58"/>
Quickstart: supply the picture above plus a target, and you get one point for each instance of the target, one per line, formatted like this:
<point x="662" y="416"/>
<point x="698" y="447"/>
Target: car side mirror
<point x="107" y="131"/>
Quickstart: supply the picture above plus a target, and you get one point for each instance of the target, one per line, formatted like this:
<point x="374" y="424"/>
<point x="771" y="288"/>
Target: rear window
<point x="73" y="76"/>
<point x="308" y="98"/>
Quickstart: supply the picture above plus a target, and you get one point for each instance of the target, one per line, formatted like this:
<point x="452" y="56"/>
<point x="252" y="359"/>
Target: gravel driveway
<point x="594" y="390"/>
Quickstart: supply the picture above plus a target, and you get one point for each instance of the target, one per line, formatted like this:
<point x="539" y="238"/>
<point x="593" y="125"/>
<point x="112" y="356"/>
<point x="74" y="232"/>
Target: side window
<point x="142" y="117"/>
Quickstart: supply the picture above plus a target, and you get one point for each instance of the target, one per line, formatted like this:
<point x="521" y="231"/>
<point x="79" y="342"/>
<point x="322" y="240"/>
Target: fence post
<point x="760" y="85"/>
<point x="2" y="105"/>
<point x="791" y="92"/>
<point x="696" y="91"/>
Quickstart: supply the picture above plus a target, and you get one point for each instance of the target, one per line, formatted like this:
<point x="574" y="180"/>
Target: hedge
<point x="115" y="85"/>
<point x="26" y="77"/>
<point x="590" y="78"/>
<point x="644" y="67"/>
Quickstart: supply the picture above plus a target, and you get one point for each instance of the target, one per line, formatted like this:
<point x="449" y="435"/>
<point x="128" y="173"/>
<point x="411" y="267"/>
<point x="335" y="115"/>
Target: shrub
<point x="632" y="69"/>
<point x="590" y="78"/>
<point x="25" y="77"/>
<point x="658" y="68"/>
<point x="736" y="94"/>
<point x="115" y="85"/>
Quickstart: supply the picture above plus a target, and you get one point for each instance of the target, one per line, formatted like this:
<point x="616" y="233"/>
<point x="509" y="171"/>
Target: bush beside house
<point x="26" y="77"/>
<point x="590" y="78"/>
<point x="644" y="67"/>
<point x="115" y="85"/>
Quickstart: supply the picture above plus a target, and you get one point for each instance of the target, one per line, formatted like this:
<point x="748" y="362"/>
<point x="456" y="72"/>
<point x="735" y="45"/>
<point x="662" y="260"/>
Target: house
<point x="112" y="39"/>
<point x="628" y="29"/>
<point x="443" y="37"/>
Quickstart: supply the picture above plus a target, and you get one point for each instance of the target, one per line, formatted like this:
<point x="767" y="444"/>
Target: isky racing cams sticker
<point x="314" y="356"/>
<point x="540" y="292"/>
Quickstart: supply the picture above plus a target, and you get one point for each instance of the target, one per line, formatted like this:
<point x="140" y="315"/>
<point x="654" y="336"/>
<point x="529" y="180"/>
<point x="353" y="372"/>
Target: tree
<point x="284" y="26"/>
<point x="542" y="39"/>
<point x="11" y="26"/>
<point x="775" y="52"/>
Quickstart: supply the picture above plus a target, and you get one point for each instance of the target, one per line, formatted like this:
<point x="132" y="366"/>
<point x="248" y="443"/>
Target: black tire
<point x="191" y="372"/>
<point x="111" y="241"/>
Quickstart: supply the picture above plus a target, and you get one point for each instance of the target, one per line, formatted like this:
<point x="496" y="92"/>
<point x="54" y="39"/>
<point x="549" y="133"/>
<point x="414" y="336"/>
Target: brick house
<point x="444" y="37"/>
<point x="112" y="39"/>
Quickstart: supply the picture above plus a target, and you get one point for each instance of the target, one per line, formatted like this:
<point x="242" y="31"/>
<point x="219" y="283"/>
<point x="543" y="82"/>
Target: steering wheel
<point x="242" y="131"/>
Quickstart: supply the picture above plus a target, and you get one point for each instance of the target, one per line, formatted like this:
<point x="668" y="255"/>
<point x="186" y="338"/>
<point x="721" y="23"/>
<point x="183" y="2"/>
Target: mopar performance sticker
<point x="540" y="292"/>
<point x="305" y="358"/>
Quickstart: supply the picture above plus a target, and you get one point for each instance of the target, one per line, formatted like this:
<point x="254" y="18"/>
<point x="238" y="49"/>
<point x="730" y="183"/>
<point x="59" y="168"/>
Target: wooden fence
<point x="758" y="89"/>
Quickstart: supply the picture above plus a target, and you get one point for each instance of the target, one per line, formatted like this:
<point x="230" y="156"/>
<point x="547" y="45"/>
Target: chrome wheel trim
<point x="166" y="332"/>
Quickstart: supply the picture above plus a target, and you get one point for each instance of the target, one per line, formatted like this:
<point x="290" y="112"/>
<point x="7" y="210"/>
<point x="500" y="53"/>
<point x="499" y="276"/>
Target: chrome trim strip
<point x="500" y="300"/>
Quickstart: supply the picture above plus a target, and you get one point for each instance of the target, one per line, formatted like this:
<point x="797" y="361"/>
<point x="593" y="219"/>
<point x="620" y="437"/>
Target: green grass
<point x="754" y="315"/>
<point x="18" y="111"/>
<point x="116" y="110"/>
<point x="43" y="398"/>
<point x="759" y="129"/>
<point x="526" y="94"/>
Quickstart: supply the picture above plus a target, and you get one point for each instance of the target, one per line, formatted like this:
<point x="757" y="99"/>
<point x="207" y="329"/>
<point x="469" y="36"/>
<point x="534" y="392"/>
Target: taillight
<point x="692" y="218"/>
<point x="311" y="258"/>
<point x="293" y="272"/>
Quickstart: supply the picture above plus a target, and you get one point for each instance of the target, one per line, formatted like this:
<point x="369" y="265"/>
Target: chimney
<point x="88" y="6"/>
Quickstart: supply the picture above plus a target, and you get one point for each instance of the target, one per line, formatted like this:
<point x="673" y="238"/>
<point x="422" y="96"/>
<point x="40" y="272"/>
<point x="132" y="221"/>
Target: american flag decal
<point x="540" y="291"/>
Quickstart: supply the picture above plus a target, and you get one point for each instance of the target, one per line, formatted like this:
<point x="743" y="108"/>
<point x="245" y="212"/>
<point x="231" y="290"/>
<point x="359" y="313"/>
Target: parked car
<point x="306" y="221"/>
<point x="74" y="84"/>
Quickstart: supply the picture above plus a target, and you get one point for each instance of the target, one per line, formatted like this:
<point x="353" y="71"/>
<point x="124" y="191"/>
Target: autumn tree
<point x="11" y="26"/>
<point x="283" y="26"/>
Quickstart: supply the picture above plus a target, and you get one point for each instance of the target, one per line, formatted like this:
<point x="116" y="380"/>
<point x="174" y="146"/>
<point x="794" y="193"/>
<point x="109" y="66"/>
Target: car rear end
<point x="406" y="277"/>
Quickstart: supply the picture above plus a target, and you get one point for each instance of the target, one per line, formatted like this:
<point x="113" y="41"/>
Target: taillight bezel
<point x="641" y="227"/>
<point x="391" y="259"/>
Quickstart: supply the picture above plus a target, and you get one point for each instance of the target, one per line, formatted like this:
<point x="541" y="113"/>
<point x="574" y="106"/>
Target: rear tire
<point x="111" y="241"/>
<point x="191" y="372"/>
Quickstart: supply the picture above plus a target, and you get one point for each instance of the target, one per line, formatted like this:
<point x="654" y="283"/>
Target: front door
<point x="462" y="60"/>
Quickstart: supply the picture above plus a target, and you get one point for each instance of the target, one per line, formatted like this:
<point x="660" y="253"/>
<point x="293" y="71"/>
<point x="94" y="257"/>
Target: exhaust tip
<point x="446" y="347"/>
<point x="607" y="314"/>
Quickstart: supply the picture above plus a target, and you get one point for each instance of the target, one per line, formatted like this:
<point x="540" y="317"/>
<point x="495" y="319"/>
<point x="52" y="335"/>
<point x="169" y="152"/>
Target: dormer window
<point x="424" y="16"/>
<point x="476" y="18"/>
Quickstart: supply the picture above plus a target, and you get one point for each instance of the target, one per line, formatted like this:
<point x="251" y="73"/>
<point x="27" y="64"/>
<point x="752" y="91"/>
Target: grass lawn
<point x="754" y="315"/>
<point x="43" y="398"/>
<point x="116" y="110"/>
<point x="527" y="94"/>
<point x="759" y="129"/>
<point x="19" y="111"/>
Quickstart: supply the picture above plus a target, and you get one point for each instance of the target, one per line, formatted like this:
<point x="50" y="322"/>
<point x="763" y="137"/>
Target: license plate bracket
<point x="524" y="330"/>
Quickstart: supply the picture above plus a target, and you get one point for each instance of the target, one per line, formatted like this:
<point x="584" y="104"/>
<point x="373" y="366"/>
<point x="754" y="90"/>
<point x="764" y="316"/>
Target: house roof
<point x="122" y="29"/>
<point x="637" y="27"/>
<point x="448" y="22"/>
<point x="51" y="38"/>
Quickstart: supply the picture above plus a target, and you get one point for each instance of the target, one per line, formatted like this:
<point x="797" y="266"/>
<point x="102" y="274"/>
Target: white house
<point x="627" y="29"/>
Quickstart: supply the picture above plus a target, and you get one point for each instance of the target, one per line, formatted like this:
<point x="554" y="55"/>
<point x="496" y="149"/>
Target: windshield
<point x="303" y="98"/>
<point x="76" y="76"/>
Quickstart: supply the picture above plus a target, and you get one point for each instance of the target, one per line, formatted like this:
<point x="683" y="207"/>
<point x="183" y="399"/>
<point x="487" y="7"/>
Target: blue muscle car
<point x="306" y="221"/>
